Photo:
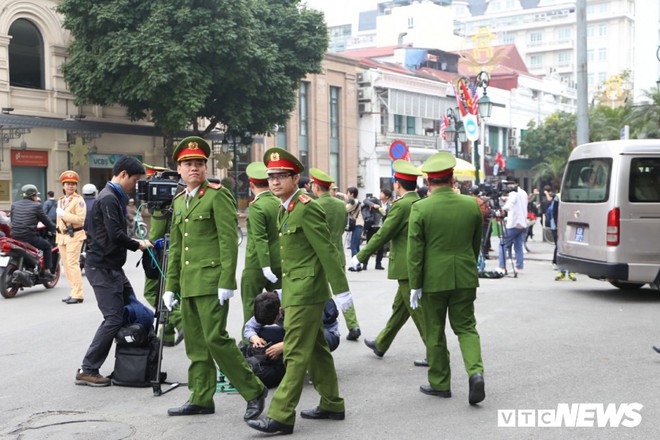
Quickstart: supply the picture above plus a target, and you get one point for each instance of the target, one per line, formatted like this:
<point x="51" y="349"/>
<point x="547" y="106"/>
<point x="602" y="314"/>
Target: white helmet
<point x="89" y="189"/>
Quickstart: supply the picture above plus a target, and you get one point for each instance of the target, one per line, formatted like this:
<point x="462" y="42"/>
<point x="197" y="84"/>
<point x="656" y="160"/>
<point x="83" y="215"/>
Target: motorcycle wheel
<point x="7" y="289"/>
<point x="53" y="283"/>
<point x="142" y="231"/>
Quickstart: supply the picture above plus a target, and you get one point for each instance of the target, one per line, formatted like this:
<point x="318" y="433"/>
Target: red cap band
<point x="321" y="182"/>
<point x="257" y="180"/>
<point x="440" y="174"/>
<point x="282" y="164"/>
<point x="403" y="176"/>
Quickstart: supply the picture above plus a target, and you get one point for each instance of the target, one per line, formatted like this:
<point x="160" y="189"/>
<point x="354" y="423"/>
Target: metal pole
<point x="476" y="161"/>
<point x="582" y="86"/>
<point x="235" y="171"/>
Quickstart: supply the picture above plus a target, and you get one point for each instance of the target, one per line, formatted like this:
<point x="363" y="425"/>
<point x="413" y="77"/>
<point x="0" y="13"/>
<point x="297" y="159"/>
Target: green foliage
<point x="552" y="168"/>
<point x="644" y="119"/>
<point x="554" y="137"/>
<point x="235" y="62"/>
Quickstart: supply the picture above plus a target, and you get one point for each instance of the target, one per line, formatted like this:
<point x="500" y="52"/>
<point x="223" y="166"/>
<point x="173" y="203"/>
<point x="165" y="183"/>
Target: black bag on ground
<point x="136" y="364"/>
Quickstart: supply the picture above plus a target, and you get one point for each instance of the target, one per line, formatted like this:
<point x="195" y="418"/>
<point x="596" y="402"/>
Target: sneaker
<point x="91" y="379"/>
<point x="554" y="266"/>
<point x="560" y="276"/>
<point x="571" y="276"/>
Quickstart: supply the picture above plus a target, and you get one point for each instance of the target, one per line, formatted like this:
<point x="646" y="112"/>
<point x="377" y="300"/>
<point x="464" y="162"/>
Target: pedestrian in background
<point x="354" y="210"/>
<point x="71" y="215"/>
<point x="444" y="236"/>
<point x="50" y="206"/>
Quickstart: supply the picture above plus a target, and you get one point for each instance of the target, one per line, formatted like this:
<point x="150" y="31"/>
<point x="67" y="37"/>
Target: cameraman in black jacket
<point x="25" y="215"/>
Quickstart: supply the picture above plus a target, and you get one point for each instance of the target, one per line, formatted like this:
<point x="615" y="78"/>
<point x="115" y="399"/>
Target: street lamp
<point x="461" y="136"/>
<point x="485" y="109"/>
<point x="450" y="132"/>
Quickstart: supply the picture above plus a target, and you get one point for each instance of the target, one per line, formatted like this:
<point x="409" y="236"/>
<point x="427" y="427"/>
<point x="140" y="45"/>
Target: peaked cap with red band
<point x="192" y="147"/>
<point x="278" y="160"/>
<point x="405" y="170"/>
<point x="69" y="177"/>
<point x="439" y="165"/>
<point x="320" y="178"/>
<point x="257" y="172"/>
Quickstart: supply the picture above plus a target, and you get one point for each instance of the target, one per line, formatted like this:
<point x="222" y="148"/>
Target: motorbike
<point x="22" y="264"/>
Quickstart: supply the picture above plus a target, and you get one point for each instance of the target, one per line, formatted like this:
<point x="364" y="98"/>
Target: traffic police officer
<point x="444" y="236"/>
<point x="335" y="214"/>
<point x="202" y="269"/>
<point x="172" y="330"/>
<point x="395" y="229"/>
<point x="311" y="265"/>
<point x="263" y="269"/>
<point x="71" y="213"/>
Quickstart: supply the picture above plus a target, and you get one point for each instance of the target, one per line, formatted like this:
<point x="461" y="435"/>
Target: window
<point x="410" y="125"/>
<point x="602" y="29"/>
<point x="398" y="123"/>
<point x="602" y="76"/>
<point x="564" y="58"/>
<point x="536" y="37"/>
<point x="280" y="139"/>
<point x="590" y="79"/>
<point x="508" y="39"/>
<point x="384" y="116"/>
<point x="590" y="55"/>
<point x="587" y="180"/>
<point x="334" y="132"/>
<point x="602" y="54"/>
<point x="536" y="60"/>
<point x="591" y="31"/>
<point x="564" y="34"/>
<point x="26" y="55"/>
<point x="411" y="23"/>
<point x="644" y="180"/>
<point x="303" y="115"/>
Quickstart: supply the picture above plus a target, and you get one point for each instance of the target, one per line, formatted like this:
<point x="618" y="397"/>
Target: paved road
<point x="544" y="343"/>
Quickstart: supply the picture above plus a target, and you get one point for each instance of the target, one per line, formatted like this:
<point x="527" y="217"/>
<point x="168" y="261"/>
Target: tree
<point x="644" y="119"/>
<point x="236" y="63"/>
<point x="554" y="137"/>
<point x="552" y="168"/>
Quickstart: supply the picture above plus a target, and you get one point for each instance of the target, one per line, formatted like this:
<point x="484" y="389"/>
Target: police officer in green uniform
<point x="202" y="269"/>
<point x="444" y="235"/>
<point x="335" y="213"/>
<point x="311" y="265"/>
<point x="395" y="229"/>
<point x="157" y="230"/>
<point x="262" y="255"/>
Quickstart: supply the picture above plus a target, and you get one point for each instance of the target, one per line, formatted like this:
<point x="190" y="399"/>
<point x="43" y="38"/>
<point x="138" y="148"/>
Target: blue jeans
<point x="356" y="237"/>
<point x="516" y="237"/>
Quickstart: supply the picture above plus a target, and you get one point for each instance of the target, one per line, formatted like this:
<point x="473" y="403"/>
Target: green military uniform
<point x="335" y="213"/>
<point x="311" y="265"/>
<point x="395" y="229"/>
<point x="263" y="244"/>
<point x="203" y="257"/>
<point x="444" y="236"/>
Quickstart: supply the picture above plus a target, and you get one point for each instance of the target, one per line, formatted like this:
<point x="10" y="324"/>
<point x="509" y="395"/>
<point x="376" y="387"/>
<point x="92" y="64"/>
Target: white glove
<point x="344" y="301"/>
<point x="415" y="296"/>
<point x="268" y="273"/>
<point x="60" y="212"/>
<point x="169" y="301"/>
<point x="224" y="295"/>
<point x="355" y="262"/>
<point x="279" y="294"/>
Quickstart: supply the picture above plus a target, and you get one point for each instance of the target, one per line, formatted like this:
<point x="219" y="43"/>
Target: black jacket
<point x="107" y="240"/>
<point x="25" y="214"/>
<point x="89" y="202"/>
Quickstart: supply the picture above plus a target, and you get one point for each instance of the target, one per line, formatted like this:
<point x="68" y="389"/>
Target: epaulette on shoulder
<point x="179" y="194"/>
<point x="215" y="185"/>
<point x="304" y="199"/>
<point x="396" y="200"/>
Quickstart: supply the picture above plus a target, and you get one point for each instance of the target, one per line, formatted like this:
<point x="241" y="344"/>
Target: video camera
<point x="495" y="190"/>
<point x="158" y="191"/>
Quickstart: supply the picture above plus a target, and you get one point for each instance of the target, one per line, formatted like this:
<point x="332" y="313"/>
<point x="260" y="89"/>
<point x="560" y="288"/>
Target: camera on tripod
<point x="158" y="191"/>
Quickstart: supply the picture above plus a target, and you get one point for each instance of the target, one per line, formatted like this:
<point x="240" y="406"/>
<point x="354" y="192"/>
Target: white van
<point x="609" y="214"/>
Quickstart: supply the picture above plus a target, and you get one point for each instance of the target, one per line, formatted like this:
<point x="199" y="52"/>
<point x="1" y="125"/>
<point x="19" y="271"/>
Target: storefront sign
<point x="29" y="158"/>
<point x="107" y="160"/>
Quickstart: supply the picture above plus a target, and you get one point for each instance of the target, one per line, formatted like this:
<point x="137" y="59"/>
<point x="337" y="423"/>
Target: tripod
<point x="162" y="318"/>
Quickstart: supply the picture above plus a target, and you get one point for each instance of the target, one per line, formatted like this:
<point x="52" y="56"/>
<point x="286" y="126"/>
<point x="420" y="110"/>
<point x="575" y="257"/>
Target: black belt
<point x="67" y="231"/>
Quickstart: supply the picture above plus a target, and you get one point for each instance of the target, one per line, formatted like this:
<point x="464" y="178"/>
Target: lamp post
<point x="8" y="133"/>
<point x="485" y="109"/>
<point x="450" y="132"/>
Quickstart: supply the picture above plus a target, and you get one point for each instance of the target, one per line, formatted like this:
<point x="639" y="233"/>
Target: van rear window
<point x="587" y="180"/>
<point x="644" y="180"/>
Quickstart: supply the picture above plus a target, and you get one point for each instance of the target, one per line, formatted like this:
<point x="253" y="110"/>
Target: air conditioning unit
<point x="365" y="94"/>
<point x="363" y="78"/>
<point x="514" y="151"/>
<point x="364" y="107"/>
<point x="487" y="150"/>
<point x="512" y="141"/>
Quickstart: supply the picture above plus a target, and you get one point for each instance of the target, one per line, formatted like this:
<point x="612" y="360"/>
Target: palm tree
<point x="644" y="119"/>
<point x="551" y="168"/>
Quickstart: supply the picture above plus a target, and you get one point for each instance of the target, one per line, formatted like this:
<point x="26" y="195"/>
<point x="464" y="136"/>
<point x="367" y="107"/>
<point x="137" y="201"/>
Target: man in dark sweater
<point x="106" y="254"/>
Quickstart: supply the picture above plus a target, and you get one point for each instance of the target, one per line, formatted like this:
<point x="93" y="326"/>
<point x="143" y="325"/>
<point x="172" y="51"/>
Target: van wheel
<point x="626" y="286"/>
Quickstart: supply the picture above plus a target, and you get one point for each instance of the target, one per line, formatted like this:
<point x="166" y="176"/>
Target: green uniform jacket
<point x="310" y="259"/>
<point x="395" y="228"/>
<point x="444" y="236"/>
<point x="335" y="214"/>
<point x="204" y="244"/>
<point x="263" y="244"/>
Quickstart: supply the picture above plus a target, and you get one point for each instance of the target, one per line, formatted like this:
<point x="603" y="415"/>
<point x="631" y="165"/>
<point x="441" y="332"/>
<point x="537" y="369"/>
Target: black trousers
<point x="379" y="254"/>
<point x="112" y="289"/>
<point x="44" y="245"/>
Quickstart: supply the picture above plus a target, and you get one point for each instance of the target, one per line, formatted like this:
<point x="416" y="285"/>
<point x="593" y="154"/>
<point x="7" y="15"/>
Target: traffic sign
<point x="399" y="150"/>
<point x="471" y="127"/>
